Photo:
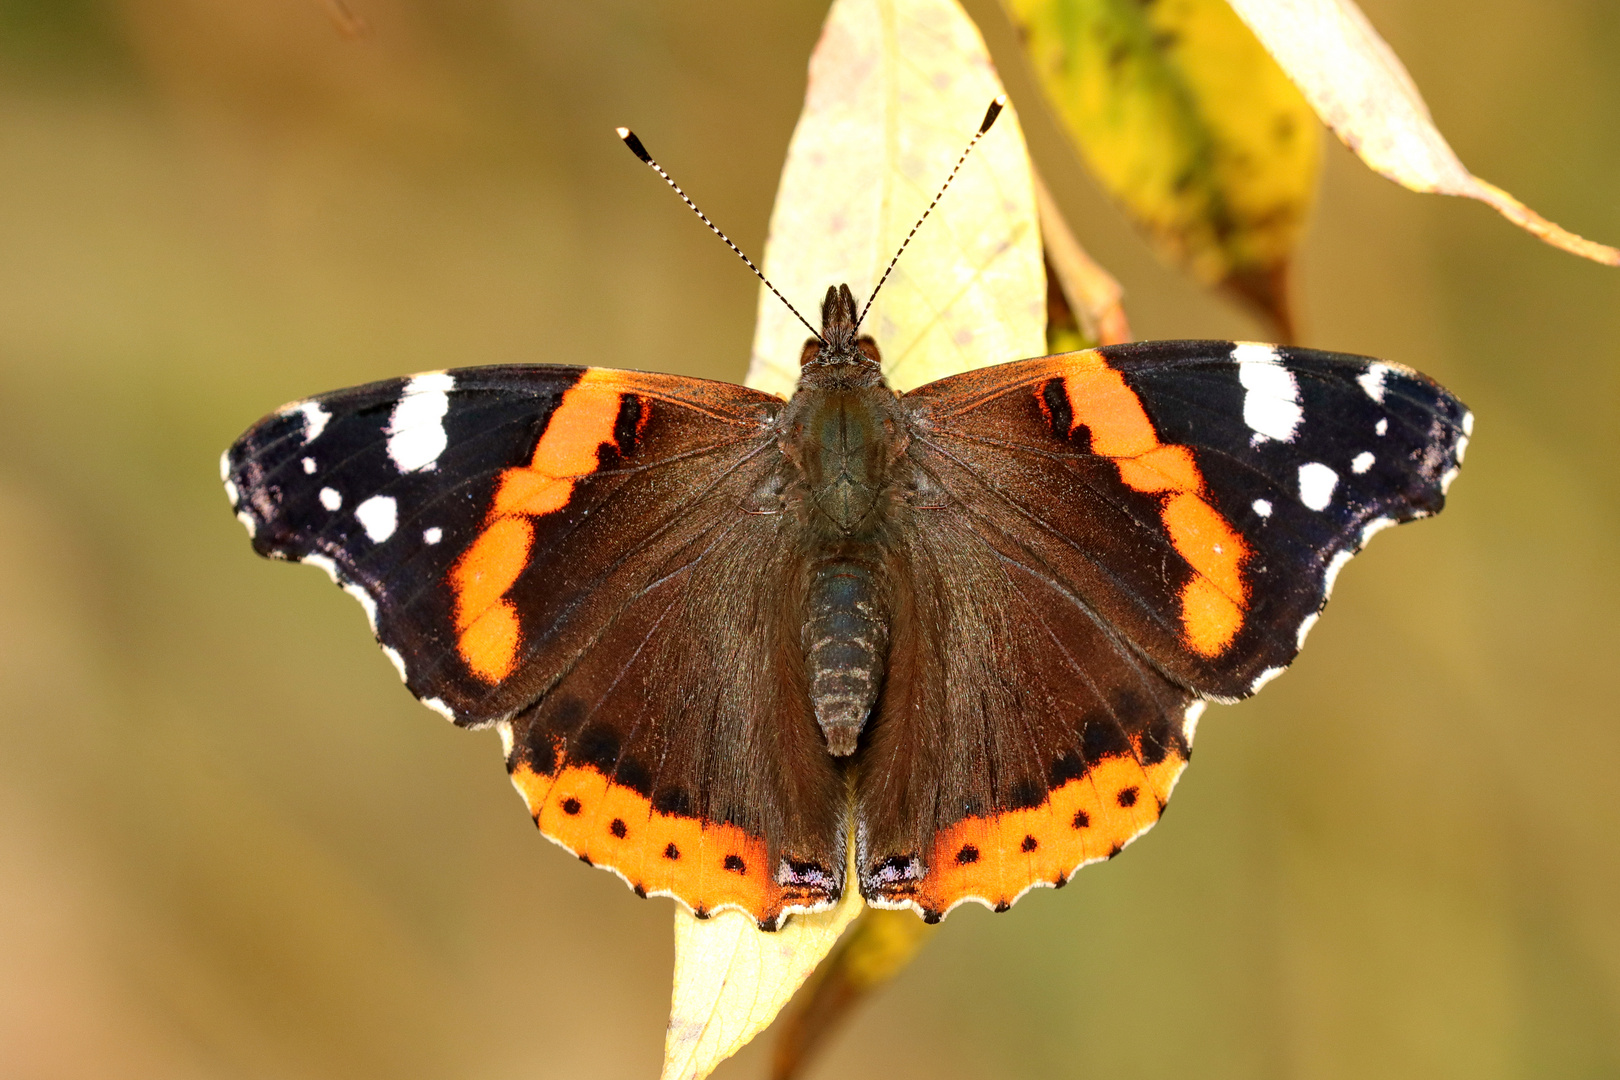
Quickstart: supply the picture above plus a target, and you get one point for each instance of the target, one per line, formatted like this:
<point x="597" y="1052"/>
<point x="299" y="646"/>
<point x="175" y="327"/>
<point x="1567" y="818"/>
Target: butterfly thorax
<point x="843" y="439"/>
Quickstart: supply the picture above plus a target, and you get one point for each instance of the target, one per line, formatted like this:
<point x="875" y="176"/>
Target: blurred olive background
<point x="232" y="846"/>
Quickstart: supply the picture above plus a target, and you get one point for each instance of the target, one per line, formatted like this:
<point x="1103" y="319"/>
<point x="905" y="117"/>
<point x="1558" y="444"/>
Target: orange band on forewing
<point x="996" y="858"/>
<point x="1206" y="541"/>
<point x="568" y="449"/>
<point x="1164" y="468"/>
<point x="583" y="421"/>
<point x="707" y="866"/>
<point x="1212" y="602"/>
<point x="490" y="566"/>
<point x="490" y="643"/>
<point x="1209" y="618"/>
<point x="1112" y="412"/>
<point x="525" y="491"/>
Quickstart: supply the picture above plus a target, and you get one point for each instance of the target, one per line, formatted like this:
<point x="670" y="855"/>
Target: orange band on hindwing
<point x="1092" y="817"/>
<point x="489" y="630"/>
<point x="1214" y="600"/>
<point x="707" y="866"/>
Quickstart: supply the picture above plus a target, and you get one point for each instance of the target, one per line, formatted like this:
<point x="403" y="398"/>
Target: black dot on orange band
<point x="639" y="890"/>
<point x="570" y="806"/>
<point x="1115" y="850"/>
<point x="617" y="828"/>
<point x="968" y="854"/>
<point x="1029" y="844"/>
<point x="1081" y="819"/>
<point x="1127" y="797"/>
<point x="701" y="913"/>
<point x="1004" y="906"/>
<point x="735" y="864"/>
<point x="672" y="852"/>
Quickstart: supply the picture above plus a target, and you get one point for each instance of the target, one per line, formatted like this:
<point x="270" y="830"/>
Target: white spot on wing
<point x="1305" y="629"/>
<point x="507" y="740"/>
<point x="1271" y="395"/>
<point x="315" y="418"/>
<point x="1462" y="448"/>
<point x="1372" y="381"/>
<point x="1189" y="720"/>
<point x="1446" y="479"/>
<point x="232" y="494"/>
<point x="441" y="708"/>
<point x="248" y="523"/>
<point x="378" y="515"/>
<point x="1382" y="427"/>
<point x="1333" y="568"/>
<point x="1374" y="527"/>
<point x="309" y="466"/>
<point x="1265" y="677"/>
<point x="324" y="563"/>
<point x="416" y="435"/>
<point x="225" y="465"/>
<point x="1262" y="507"/>
<point x="1316" y="484"/>
<point x="366" y="602"/>
<point x="1468" y="424"/>
<point x="397" y="660"/>
<point x="330" y="498"/>
<point x="433" y="535"/>
<point x="1362" y="462"/>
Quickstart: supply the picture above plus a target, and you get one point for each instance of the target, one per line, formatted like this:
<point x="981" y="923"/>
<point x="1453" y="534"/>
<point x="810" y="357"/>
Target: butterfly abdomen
<point x="842" y="436"/>
<point x="846" y="643"/>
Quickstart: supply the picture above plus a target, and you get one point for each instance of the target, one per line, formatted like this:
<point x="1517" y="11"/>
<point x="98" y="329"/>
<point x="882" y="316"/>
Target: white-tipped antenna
<point x="640" y="151"/>
<point x="989" y="118"/>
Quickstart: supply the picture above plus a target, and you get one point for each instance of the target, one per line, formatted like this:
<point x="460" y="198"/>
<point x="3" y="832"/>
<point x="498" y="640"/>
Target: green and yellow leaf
<point x="1190" y="125"/>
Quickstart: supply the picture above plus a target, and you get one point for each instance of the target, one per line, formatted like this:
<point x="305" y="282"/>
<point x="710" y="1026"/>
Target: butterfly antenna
<point x="989" y="118"/>
<point x="640" y="151"/>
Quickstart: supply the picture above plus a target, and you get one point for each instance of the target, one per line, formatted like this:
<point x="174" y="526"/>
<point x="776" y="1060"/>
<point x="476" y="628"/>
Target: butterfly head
<point x="840" y="341"/>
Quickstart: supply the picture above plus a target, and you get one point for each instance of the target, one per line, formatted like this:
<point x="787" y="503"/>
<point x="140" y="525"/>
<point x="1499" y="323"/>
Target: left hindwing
<point x="1199" y="496"/>
<point x="583" y="558"/>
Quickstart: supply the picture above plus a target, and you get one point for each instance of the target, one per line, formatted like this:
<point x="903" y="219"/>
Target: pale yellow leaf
<point x="1360" y="89"/>
<point x="896" y="89"/>
<point x="732" y="978"/>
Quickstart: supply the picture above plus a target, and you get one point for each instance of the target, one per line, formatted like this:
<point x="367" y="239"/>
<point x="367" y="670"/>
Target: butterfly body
<point x="978" y="620"/>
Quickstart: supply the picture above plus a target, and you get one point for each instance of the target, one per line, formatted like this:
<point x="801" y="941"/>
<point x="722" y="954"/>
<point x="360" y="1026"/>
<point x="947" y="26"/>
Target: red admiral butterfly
<point x="981" y="618"/>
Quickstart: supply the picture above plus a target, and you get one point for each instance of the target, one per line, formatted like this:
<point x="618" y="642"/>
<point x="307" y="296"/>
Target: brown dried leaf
<point x="874" y="951"/>
<point x="1083" y="299"/>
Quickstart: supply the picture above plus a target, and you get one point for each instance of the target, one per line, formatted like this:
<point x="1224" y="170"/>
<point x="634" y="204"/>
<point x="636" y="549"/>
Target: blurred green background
<point x="232" y="846"/>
